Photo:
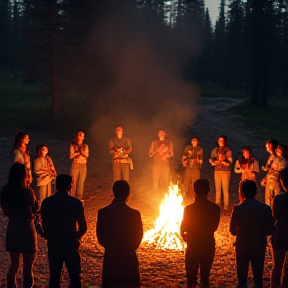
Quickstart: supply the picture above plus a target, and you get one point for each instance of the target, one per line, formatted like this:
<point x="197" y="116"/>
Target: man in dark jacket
<point x="61" y="214"/>
<point x="251" y="222"/>
<point x="119" y="230"/>
<point x="200" y="221"/>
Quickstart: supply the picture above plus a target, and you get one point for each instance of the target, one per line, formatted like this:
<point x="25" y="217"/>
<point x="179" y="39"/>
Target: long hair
<point x="18" y="139"/>
<point x="16" y="182"/>
<point x="17" y="176"/>
<point x="39" y="149"/>
<point x="75" y="139"/>
<point x="242" y="159"/>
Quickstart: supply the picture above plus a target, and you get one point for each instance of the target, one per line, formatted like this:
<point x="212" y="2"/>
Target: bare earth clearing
<point x="158" y="268"/>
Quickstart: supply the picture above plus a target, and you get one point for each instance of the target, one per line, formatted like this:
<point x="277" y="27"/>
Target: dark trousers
<point x="72" y="260"/>
<point x="199" y="258"/>
<point x="243" y="258"/>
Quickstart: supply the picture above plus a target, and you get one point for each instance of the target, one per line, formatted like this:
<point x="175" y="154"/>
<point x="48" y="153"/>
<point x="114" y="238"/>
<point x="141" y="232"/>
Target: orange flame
<point x="166" y="234"/>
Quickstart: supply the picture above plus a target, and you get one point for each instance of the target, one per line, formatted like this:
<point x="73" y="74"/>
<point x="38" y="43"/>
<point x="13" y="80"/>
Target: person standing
<point x="19" y="204"/>
<point x="21" y="154"/>
<point x="120" y="147"/>
<point x="279" y="237"/>
<point x="119" y="230"/>
<point x="63" y="223"/>
<point x="45" y="172"/>
<point x="79" y="153"/>
<point x="251" y="223"/>
<point x="271" y="180"/>
<point x="162" y="151"/>
<point x="221" y="159"/>
<point x="192" y="160"/>
<point x="248" y="166"/>
<point x="200" y="221"/>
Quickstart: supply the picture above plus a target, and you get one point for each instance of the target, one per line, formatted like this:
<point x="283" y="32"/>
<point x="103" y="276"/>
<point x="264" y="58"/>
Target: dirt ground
<point x="158" y="268"/>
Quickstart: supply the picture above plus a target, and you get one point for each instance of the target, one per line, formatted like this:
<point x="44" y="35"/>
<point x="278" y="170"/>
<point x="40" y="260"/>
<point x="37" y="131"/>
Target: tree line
<point x="45" y="42"/>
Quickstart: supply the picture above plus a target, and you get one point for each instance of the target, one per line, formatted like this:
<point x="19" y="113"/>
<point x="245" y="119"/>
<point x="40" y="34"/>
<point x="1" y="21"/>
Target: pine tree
<point x="220" y="46"/>
<point x="234" y="45"/>
<point x="260" y="31"/>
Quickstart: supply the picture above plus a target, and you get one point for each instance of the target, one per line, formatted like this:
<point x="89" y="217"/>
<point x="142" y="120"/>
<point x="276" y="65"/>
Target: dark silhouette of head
<point x="249" y="189"/>
<point x="63" y="182"/>
<point x="17" y="175"/>
<point x="121" y="190"/>
<point x="201" y="187"/>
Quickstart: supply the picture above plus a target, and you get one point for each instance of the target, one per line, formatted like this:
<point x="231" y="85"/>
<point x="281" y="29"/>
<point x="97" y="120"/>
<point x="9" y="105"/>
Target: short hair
<point x="121" y="189"/>
<point x="273" y="142"/>
<point x="249" y="189"/>
<point x="63" y="182"/>
<point x="201" y="187"/>
<point x="195" y="137"/>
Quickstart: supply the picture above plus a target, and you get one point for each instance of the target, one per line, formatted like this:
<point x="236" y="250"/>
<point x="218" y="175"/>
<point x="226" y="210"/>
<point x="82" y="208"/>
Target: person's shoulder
<point x="282" y="195"/>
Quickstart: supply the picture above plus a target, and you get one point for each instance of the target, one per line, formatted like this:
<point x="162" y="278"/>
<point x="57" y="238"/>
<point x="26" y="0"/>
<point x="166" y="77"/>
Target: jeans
<point x="222" y="179"/>
<point x="243" y="258"/>
<point x="78" y="173"/>
<point x="43" y="191"/>
<point x="72" y="260"/>
<point x="191" y="175"/>
<point x="28" y="262"/>
<point x="278" y="257"/>
<point x="272" y="188"/>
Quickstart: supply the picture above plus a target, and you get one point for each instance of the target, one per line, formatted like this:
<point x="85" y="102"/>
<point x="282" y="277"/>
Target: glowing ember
<point x="166" y="234"/>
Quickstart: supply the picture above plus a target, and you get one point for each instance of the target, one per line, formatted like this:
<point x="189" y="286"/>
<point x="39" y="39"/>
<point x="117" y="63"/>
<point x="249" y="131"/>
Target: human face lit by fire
<point x="80" y="137"/>
<point x="269" y="147"/>
<point x="279" y="152"/>
<point x="194" y="142"/>
<point x="246" y="154"/>
<point x="161" y="135"/>
<point x="119" y="132"/>
<point x="221" y="142"/>
<point x="44" y="151"/>
<point x="25" y="139"/>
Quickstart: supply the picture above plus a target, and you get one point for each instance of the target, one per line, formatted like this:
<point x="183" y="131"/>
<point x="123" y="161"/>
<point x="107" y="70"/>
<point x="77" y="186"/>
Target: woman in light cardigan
<point x="45" y="172"/>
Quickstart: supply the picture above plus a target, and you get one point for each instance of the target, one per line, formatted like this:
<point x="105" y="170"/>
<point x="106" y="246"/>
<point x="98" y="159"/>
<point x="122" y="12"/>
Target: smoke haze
<point x="142" y="89"/>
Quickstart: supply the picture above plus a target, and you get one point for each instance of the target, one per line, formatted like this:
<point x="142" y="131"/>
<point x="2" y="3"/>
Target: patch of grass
<point x="216" y="91"/>
<point x="266" y="122"/>
<point x="22" y="107"/>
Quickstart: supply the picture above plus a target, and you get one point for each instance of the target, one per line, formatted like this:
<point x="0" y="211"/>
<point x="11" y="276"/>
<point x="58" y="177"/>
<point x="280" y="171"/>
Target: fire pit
<point x="166" y="234"/>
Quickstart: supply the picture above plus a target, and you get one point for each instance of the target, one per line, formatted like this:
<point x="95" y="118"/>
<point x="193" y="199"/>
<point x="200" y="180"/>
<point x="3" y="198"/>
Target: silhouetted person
<point x="61" y="214"/>
<point x="251" y="222"/>
<point x="119" y="230"/>
<point x="200" y="221"/>
<point x="19" y="204"/>
<point x="280" y="235"/>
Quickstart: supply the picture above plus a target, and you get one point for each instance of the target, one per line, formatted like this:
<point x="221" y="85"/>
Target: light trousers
<point x="222" y="179"/>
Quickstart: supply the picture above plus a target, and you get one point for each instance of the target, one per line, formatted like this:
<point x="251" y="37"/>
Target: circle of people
<point x="62" y="222"/>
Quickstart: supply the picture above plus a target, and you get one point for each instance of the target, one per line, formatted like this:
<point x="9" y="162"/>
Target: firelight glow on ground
<point x="166" y="234"/>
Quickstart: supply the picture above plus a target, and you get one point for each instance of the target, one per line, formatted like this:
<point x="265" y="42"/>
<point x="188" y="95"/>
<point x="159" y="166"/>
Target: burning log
<point x="166" y="234"/>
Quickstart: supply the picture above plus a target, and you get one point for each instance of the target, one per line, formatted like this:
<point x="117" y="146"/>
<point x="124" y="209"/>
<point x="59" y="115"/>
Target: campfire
<point x="166" y="234"/>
